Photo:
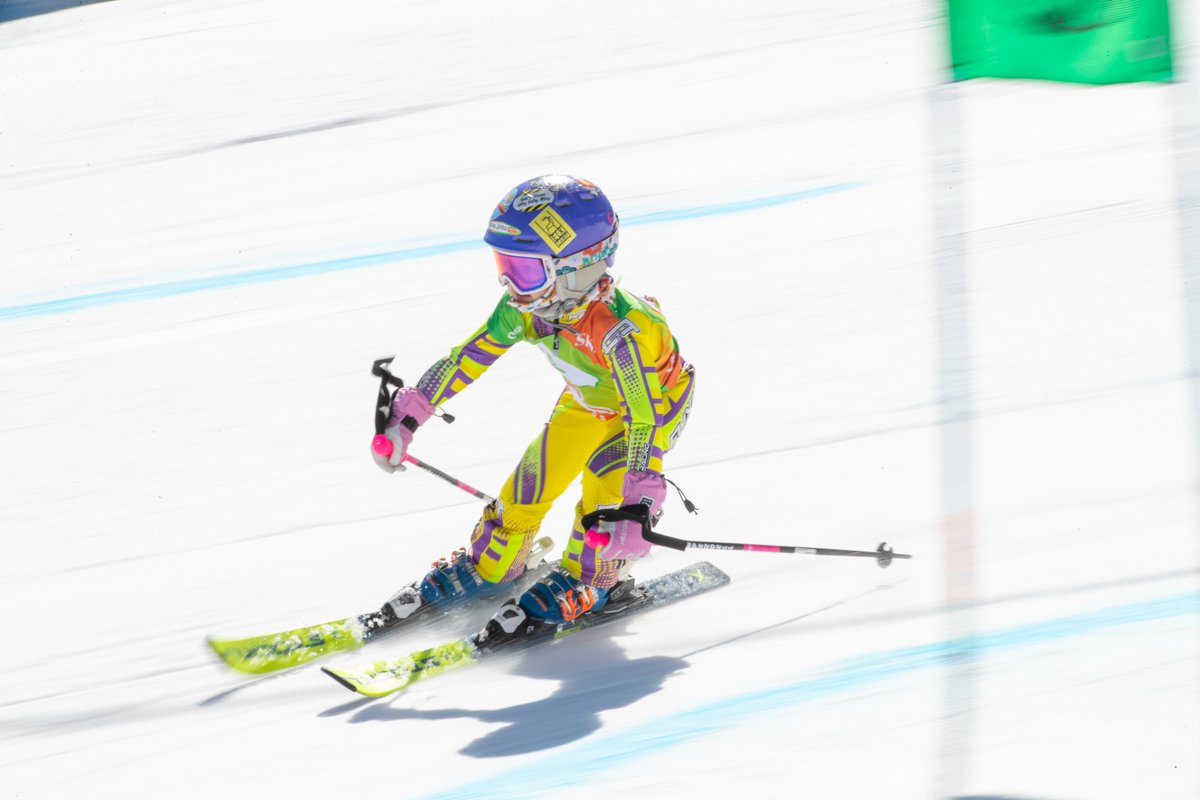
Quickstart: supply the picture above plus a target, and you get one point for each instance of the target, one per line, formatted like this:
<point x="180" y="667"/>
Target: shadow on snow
<point x="18" y="9"/>
<point x="594" y="676"/>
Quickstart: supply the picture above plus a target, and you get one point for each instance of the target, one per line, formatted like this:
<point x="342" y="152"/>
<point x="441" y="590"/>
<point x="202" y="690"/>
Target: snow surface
<point x="213" y="216"/>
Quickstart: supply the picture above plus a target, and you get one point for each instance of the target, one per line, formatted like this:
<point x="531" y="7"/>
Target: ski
<point x="504" y="634"/>
<point x="271" y="652"/>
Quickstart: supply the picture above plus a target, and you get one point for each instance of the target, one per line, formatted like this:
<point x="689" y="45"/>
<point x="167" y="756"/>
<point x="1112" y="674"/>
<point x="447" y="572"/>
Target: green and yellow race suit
<point x="628" y="394"/>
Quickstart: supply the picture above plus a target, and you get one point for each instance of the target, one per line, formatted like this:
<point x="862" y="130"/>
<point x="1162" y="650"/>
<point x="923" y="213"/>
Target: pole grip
<point x="381" y="445"/>
<point x="599" y="539"/>
<point x="596" y="539"/>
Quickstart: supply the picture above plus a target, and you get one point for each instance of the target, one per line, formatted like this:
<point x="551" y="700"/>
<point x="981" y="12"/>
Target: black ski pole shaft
<point x="384" y="447"/>
<point x="883" y="554"/>
<point x="432" y="470"/>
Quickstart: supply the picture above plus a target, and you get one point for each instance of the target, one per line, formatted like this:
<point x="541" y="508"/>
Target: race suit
<point x="626" y="401"/>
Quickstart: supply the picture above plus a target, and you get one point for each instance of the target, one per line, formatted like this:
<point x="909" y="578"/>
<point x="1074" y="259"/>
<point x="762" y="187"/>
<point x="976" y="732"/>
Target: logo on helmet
<point x="597" y="252"/>
<point x="553" y="229"/>
<point x="504" y="203"/>
<point x="503" y="228"/>
<point x="533" y="199"/>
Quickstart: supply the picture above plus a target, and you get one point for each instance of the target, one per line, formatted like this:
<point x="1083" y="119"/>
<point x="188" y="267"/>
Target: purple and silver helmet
<point x="554" y="238"/>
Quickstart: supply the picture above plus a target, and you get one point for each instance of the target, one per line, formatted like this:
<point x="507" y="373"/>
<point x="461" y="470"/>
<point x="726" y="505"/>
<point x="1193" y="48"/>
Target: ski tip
<point x="221" y="650"/>
<point x="331" y="673"/>
<point x="234" y="654"/>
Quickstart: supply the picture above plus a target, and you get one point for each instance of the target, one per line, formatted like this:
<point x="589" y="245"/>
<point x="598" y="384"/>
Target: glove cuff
<point x="410" y="408"/>
<point x="644" y="488"/>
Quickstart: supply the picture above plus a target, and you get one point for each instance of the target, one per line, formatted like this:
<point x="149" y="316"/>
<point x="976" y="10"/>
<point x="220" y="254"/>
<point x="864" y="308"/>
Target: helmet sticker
<point x="598" y="252"/>
<point x="504" y="203"/>
<point x="503" y="228"/>
<point x="533" y="199"/>
<point x="553" y="229"/>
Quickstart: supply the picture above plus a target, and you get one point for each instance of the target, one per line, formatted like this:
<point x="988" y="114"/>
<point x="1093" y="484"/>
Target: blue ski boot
<point x="452" y="582"/>
<point x="558" y="597"/>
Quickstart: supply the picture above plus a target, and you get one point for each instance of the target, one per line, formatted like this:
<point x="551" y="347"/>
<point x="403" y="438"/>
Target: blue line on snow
<point x="672" y="215"/>
<point x="152" y="291"/>
<point x="593" y="761"/>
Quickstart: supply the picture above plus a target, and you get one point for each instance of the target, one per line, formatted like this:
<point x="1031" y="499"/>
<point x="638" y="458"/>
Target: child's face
<point x="526" y="299"/>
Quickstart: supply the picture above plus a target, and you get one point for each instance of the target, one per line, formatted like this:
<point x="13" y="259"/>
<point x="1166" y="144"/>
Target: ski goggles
<point x="523" y="274"/>
<point x="526" y="275"/>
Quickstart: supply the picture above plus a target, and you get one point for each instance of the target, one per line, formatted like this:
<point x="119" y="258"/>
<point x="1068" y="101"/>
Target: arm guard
<point x="642" y="404"/>
<point x="450" y="375"/>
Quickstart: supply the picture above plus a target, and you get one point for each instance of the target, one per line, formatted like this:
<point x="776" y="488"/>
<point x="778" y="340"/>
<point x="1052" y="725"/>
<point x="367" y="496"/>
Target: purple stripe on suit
<point x="607" y="454"/>
<point x="477" y="354"/>
<point x="681" y="403"/>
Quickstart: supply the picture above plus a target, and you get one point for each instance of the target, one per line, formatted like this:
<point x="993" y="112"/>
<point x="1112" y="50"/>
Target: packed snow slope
<point x="213" y="216"/>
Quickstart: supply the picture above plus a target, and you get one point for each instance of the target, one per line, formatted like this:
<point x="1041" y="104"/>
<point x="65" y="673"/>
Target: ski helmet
<point x="553" y="238"/>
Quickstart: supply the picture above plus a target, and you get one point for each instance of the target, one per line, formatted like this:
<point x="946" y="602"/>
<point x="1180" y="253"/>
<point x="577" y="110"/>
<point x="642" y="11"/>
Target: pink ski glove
<point x="410" y="410"/>
<point x="624" y="537"/>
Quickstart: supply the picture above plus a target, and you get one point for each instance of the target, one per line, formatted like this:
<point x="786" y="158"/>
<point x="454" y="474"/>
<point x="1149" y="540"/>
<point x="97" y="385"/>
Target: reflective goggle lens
<point x="526" y="274"/>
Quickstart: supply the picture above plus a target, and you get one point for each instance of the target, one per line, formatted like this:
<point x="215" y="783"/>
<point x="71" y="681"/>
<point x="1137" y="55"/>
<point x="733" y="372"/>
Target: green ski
<point x="391" y="675"/>
<point x="271" y="652"/>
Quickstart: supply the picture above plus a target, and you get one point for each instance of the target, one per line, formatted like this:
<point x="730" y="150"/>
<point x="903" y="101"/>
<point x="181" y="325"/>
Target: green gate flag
<point x="1082" y="41"/>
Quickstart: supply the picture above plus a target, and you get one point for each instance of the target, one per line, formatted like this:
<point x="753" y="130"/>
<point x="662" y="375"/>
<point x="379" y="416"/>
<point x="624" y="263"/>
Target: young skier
<point x="628" y="394"/>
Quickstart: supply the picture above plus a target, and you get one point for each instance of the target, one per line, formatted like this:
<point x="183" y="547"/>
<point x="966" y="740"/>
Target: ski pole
<point x="383" y="445"/>
<point x="883" y="554"/>
<point x="466" y="487"/>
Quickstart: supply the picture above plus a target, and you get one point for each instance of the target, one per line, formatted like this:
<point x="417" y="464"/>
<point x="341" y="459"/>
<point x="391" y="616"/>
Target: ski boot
<point x="451" y="583"/>
<point x="555" y="601"/>
<point x="558" y="598"/>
